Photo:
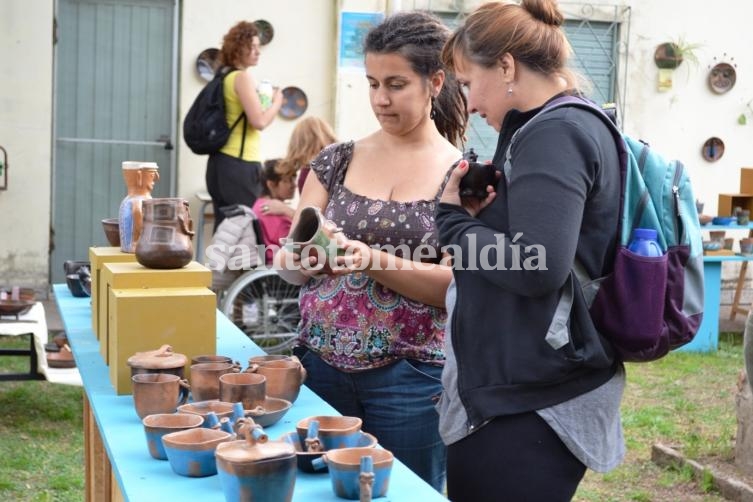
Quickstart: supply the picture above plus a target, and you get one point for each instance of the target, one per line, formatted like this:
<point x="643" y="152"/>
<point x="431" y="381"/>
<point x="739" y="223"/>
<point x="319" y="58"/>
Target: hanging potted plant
<point x="670" y="55"/>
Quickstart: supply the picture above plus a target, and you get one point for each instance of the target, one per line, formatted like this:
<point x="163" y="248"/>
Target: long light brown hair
<point x="307" y="140"/>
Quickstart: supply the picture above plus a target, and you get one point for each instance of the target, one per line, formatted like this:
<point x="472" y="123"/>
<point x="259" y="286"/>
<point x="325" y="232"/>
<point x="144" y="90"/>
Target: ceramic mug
<point x="157" y="393"/>
<point x="312" y="233"/>
<point x="250" y="389"/>
<point x="205" y="379"/>
<point x="284" y="376"/>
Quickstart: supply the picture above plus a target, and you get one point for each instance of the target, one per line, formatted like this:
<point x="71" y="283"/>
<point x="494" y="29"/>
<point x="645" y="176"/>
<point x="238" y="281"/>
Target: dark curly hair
<point x="236" y="42"/>
<point x="419" y="37"/>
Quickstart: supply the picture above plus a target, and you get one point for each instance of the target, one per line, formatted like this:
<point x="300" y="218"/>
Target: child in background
<point x="274" y="215"/>
<point x="307" y="140"/>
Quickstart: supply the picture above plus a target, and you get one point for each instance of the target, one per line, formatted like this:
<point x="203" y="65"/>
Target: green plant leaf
<point x="742" y="119"/>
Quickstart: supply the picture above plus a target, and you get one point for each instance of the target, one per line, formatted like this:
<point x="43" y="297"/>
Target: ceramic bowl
<point x="705" y="219"/>
<point x="345" y="469"/>
<point x="157" y="425"/>
<point x="202" y="408"/>
<point x="273" y="410"/>
<point x="305" y="458"/>
<point x="191" y="452"/>
<point x="26" y="300"/>
<point x="712" y="245"/>
<point x="112" y="231"/>
<point x="723" y="220"/>
<point x="334" y="431"/>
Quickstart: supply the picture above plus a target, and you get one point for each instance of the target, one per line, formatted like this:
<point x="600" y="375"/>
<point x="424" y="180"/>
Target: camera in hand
<point x="478" y="177"/>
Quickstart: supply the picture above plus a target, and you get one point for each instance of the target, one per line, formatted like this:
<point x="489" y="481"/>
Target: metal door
<point x="115" y="80"/>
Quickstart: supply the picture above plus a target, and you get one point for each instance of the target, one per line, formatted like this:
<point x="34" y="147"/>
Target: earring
<point x="433" y="112"/>
<point x="509" y="90"/>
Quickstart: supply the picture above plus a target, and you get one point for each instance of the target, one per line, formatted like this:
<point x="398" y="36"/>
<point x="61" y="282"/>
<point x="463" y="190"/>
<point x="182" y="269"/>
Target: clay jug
<point x="165" y="240"/>
<point x="139" y="178"/>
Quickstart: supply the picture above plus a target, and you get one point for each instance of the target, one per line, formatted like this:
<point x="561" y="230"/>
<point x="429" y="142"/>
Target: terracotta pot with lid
<point x="162" y="360"/>
<point x="255" y="466"/>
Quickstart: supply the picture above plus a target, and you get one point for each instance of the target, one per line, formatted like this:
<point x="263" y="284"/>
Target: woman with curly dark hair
<point x="371" y="334"/>
<point x="233" y="173"/>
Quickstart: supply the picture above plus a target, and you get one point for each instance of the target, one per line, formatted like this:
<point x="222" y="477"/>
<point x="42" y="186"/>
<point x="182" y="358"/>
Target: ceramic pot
<point x="249" y="389"/>
<point x="157" y="425"/>
<point x="331" y="431"/>
<point x="256" y="469"/>
<point x="211" y="358"/>
<point x="165" y="242"/>
<point x="206" y="409"/>
<point x="191" y="452"/>
<point x="359" y="473"/>
<point x="157" y="393"/>
<point x="284" y="376"/>
<point x="205" y="379"/>
<point x="161" y="360"/>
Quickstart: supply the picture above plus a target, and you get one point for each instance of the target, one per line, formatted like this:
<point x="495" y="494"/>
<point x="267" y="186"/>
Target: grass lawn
<point x="685" y="400"/>
<point x="41" y="436"/>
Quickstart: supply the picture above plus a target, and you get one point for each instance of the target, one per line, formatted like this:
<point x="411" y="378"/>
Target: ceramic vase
<point x="139" y="178"/>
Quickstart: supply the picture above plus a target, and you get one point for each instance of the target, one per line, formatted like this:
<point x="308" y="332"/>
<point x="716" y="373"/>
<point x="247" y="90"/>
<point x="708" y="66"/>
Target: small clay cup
<point x="346" y="465"/>
<point x="220" y="409"/>
<point x="156" y="426"/>
<point x="475" y="181"/>
<point x="717" y="236"/>
<point x="743" y="217"/>
<point x="210" y="358"/>
<point x="334" y="431"/>
<point x="191" y="452"/>
<point x="250" y="389"/>
<point x="205" y="379"/>
<point x="746" y="246"/>
<point x="157" y="393"/>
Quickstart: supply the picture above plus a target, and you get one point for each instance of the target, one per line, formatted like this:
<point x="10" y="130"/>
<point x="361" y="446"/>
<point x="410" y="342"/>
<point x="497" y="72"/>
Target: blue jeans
<point x="396" y="404"/>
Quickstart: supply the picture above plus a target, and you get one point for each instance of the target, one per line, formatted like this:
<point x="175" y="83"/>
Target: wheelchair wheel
<point x="265" y="307"/>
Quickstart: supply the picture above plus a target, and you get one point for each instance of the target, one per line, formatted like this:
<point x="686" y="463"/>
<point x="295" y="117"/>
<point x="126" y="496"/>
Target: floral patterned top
<point x="353" y="322"/>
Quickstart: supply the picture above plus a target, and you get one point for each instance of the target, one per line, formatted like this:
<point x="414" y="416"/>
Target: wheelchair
<point x="259" y="302"/>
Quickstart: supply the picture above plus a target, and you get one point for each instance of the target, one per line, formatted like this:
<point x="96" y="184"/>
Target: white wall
<point x="679" y="121"/>
<point x="302" y="53"/>
<point x="25" y="132"/>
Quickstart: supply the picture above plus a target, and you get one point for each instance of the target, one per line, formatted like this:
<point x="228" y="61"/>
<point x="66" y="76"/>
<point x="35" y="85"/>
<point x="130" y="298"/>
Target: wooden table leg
<point x="736" y="308"/>
<point x="98" y="470"/>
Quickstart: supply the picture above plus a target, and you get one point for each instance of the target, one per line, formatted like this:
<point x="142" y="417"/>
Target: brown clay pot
<point x="165" y="241"/>
<point x="205" y="379"/>
<point x="284" y="376"/>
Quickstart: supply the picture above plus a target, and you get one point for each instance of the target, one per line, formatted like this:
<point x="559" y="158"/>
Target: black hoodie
<point x="562" y="197"/>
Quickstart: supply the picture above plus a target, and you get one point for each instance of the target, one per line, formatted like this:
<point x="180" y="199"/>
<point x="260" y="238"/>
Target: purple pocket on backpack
<point x="629" y="306"/>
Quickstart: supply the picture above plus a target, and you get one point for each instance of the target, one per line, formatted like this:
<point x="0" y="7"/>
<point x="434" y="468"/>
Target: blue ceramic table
<point x="139" y="477"/>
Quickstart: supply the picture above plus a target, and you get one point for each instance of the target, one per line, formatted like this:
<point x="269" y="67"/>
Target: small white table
<point x="34" y="323"/>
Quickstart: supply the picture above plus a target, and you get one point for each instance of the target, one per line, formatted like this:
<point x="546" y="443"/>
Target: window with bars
<point x="595" y="56"/>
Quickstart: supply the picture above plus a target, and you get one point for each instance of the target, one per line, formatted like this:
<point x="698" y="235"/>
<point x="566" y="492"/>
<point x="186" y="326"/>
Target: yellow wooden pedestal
<point x="145" y="319"/>
<point x="135" y="275"/>
<point x="98" y="256"/>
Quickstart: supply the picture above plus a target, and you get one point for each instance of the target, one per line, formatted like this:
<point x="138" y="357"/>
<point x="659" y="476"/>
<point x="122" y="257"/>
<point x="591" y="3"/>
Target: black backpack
<point x="205" y="129"/>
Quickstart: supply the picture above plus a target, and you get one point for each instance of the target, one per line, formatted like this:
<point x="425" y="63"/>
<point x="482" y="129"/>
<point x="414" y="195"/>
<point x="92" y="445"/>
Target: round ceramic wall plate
<point x="294" y="103"/>
<point x="713" y="149"/>
<point x="266" y="32"/>
<point x="207" y="63"/>
<point x="722" y="78"/>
